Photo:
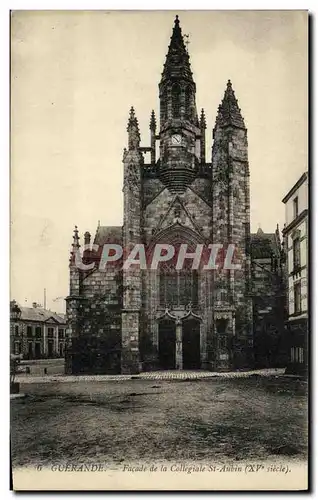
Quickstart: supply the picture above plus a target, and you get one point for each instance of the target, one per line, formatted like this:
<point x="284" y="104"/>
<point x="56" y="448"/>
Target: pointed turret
<point x="202" y="125"/>
<point x="75" y="245"/>
<point x="87" y="238"/>
<point x="133" y="131"/>
<point x="202" y="120"/>
<point x="177" y="65"/>
<point x="152" y="127"/>
<point x="229" y="112"/>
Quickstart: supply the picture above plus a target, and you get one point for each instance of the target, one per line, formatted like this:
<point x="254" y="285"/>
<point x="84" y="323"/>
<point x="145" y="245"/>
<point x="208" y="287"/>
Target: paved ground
<point x="159" y="375"/>
<point x="121" y="422"/>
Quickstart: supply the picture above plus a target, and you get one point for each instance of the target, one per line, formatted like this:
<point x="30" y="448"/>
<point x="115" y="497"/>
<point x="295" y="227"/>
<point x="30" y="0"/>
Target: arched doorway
<point x="167" y="344"/>
<point x="191" y="344"/>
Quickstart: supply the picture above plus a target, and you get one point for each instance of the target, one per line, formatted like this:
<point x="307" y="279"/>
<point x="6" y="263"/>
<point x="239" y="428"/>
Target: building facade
<point x="295" y="234"/>
<point x="36" y="333"/>
<point x="168" y="318"/>
<point x="269" y="299"/>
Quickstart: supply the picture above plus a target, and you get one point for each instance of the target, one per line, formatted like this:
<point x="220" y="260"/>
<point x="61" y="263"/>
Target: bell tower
<point x="179" y="125"/>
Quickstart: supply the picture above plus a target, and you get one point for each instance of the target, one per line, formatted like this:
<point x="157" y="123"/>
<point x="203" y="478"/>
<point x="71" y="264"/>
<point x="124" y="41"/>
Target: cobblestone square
<point x="125" y="421"/>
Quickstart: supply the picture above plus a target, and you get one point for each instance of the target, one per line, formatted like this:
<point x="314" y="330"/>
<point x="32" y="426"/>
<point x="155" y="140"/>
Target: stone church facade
<point x="168" y="318"/>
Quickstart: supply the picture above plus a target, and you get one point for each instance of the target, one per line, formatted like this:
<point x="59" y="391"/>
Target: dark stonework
<point x="180" y="198"/>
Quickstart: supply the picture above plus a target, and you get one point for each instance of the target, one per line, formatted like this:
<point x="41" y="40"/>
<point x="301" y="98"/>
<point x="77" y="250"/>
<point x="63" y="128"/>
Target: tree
<point x="98" y="345"/>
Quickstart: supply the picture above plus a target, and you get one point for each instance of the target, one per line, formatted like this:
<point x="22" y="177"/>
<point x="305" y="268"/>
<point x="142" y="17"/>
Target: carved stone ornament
<point x="132" y="177"/>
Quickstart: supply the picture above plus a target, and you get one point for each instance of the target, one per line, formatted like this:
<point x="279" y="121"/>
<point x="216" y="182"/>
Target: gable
<point x="177" y="213"/>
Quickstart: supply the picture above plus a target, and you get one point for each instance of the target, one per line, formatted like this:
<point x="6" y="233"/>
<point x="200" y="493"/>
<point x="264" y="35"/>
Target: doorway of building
<point x="191" y="344"/>
<point x="167" y="344"/>
<point x="30" y="351"/>
<point x="50" y="348"/>
<point x="37" y="350"/>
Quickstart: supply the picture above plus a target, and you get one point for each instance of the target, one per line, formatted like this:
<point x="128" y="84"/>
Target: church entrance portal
<point x="167" y="344"/>
<point x="191" y="344"/>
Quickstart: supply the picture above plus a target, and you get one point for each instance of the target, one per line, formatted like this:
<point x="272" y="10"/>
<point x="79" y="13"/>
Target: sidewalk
<point x="159" y="375"/>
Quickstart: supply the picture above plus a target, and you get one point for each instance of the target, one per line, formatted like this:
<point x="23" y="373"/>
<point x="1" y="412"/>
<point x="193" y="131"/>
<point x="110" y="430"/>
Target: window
<point x="163" y="105"/>
<point x="61" y="334"/>
<point x="297" y="298"/>
<point x="296" y="253"/>
<point x="221" y="325"/>
<point x="38" y="332"/>
<point x="50" y="332"/>
<point x="297" y="355"/>
<point x="16" y="331"/>
<point x="188" y="102"/>
<point x="295" y="204"/>
<point x="17" y="348"/>
<point x="175" y="96"/>
<point x="29" y="332"/>
<point x="178" y="288"/>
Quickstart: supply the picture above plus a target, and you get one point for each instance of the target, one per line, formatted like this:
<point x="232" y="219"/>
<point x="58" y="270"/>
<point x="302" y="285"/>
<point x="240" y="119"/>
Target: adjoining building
<point x="295" y="235"/>
<point x="36" y="333"/>
<point x="269" y="299"/>
<point x="168" y="318"/>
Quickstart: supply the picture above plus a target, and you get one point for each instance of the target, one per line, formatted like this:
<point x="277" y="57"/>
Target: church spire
<point x="177" y="65"/>
<point x="229" y="112"/>
<point x="177" y="88"/>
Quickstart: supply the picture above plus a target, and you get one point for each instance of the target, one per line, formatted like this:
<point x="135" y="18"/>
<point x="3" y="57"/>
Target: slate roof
<point x="108" y="234"/>
<point x="263" y="245"/>
<point x="39" y="314"/>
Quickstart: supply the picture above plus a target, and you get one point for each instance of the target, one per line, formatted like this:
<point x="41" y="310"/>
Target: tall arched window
<point x="178" y="287"/>
<point x="188" y="109"/>
<point x="175" y="96"/>
<point x="163" y="107"/>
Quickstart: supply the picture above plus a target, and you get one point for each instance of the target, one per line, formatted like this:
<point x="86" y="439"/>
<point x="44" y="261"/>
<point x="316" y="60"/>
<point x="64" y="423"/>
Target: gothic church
<point x="175" y="319"/>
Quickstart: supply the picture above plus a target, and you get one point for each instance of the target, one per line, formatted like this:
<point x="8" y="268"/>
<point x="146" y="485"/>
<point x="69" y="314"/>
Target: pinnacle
<point x="133" y="130"/>
<point x="75" y="238"/>
<point x="152" y="124"/>
<point x="132" y="120"/>
<point x="229" y="112"/>
<point x="202" y="120"/>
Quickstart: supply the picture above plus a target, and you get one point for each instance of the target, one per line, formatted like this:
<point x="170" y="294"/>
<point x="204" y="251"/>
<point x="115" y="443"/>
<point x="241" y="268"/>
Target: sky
<point x="74" y="76"/>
